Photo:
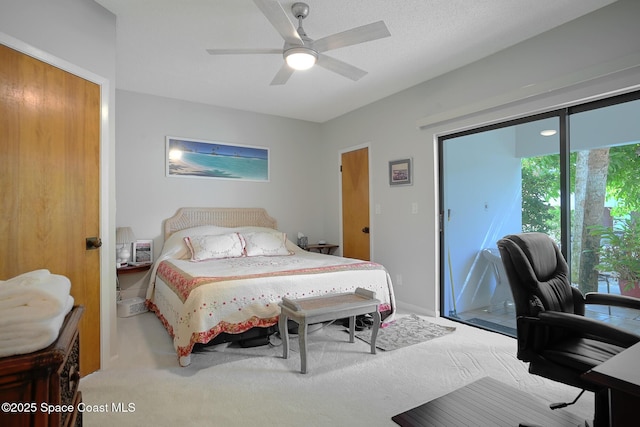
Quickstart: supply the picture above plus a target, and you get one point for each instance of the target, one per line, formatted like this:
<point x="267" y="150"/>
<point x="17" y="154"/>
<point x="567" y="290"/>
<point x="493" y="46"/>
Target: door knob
<point x="365" y="230"/>
<point x="93" y="243"/>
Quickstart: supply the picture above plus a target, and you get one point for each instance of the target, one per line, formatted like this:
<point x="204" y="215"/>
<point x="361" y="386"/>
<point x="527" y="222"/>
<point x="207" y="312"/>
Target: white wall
<point x="78" y="36"/>
<point x="146" y="196"/>
<point x="586" y="58"/>
<point x="403" y="242"/>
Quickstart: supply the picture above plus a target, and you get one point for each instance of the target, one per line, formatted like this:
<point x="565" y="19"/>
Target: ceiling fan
<point x="301" y="52"/>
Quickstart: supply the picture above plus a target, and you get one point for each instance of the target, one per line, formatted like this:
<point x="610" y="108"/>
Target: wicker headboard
<point x="222" y="217"/>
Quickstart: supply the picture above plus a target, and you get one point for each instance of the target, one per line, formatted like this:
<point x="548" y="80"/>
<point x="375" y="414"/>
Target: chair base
<point x="565" y="404"/>
<point x="601" y="416"/>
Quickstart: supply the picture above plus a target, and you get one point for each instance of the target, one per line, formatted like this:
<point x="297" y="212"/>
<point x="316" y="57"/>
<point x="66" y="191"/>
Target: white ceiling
<point x="161" y="48"/>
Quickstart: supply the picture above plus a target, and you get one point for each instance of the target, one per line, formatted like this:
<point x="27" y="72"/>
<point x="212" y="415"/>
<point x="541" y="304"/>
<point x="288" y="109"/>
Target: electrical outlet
<point x="399" y="279"/>
<point x="414" y="208"/>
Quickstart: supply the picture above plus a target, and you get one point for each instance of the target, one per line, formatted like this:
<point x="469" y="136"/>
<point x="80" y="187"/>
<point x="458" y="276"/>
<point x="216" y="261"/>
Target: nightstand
<point x="45" y="377"/>
<point x="326" y="248"/>
<point x="133" y="284"/>
<point x="128" y="269"/>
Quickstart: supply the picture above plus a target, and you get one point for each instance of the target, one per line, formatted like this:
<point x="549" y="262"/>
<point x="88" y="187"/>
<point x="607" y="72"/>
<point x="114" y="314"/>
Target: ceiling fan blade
<point x="342" y="68"/>
<point x="242" y="51"/>
<point x="282" y="75"/>
<point x="365" y="33"/>
<point x="280" y="21"/>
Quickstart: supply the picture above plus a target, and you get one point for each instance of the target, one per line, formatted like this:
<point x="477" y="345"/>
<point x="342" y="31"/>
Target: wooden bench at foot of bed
<point x="311" y="310"/>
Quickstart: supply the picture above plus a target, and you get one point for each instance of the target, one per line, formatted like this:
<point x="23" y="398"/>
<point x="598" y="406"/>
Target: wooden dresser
<point x="41" y="388"/>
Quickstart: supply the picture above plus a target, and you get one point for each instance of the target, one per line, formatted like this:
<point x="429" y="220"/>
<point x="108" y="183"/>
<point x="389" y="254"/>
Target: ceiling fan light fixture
<point x="300" y="58"/>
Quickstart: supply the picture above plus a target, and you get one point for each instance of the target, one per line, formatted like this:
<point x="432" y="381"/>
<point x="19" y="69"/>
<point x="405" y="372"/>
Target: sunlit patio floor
<point x="502" y="318"/>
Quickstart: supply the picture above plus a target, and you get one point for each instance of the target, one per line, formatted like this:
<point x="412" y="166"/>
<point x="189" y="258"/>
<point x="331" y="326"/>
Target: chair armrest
<point x="612" y="299"/>
<point x="589" y="328"/>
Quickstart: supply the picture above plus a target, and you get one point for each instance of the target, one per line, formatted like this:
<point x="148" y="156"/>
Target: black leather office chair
<point x="553" y="335"/>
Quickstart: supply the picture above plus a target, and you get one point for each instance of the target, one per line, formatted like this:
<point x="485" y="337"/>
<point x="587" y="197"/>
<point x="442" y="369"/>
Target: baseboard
<point x="411" y="308"/>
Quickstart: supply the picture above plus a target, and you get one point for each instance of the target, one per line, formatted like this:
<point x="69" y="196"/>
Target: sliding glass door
<point x="564" y="173"/>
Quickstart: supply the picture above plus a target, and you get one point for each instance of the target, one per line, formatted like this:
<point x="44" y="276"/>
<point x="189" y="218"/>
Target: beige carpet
<point x="345" y="386"/>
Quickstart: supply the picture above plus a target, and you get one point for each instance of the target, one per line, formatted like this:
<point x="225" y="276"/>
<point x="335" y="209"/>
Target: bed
<point x="224" y="270"/>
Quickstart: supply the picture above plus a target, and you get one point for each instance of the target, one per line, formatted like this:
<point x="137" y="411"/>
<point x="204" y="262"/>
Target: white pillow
<point x="176" y="247"/>
<point x="204" y="247"/>
<point x="265" y="243"/>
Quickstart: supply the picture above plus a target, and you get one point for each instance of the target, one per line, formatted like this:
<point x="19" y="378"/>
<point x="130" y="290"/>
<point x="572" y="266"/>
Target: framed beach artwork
<point x="194" y="158"/>
<point x="400" y="172"/>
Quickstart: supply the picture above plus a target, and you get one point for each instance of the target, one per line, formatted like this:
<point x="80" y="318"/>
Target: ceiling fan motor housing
<point x="300" y="10"/>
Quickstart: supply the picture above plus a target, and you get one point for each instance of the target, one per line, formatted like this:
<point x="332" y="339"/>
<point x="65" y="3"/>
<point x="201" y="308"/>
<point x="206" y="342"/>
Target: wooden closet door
<point x="355" y="204"/>
<point x="50" y="182"/>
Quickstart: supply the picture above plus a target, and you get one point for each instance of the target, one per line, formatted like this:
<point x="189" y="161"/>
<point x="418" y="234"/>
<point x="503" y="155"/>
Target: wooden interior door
<point x="50" y="182"/>
<point x="355" y="204"/>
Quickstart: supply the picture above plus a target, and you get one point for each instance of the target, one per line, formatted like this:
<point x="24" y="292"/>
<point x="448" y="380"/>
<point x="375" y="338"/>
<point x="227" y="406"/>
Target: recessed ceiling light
<point x="548" y="132"/>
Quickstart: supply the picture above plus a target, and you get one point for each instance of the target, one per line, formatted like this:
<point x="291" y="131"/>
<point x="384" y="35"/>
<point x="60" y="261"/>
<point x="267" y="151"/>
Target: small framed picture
<point x="400" y="172"/>
<point x="142" y="252"/>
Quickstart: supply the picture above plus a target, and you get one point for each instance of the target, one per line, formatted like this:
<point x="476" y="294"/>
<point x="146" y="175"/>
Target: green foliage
<point x="620" y="249"/>
<point x="540" y="184"/>
<point x="623" y="181"/>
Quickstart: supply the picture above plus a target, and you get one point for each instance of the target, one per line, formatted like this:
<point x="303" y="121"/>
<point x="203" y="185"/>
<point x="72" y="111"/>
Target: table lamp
<point x="124" y="239"/>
